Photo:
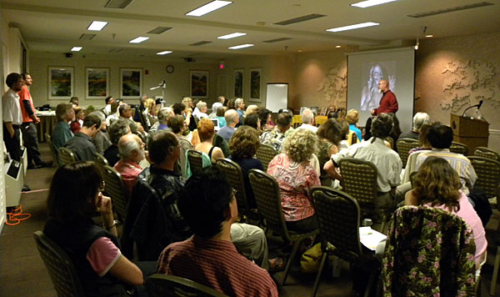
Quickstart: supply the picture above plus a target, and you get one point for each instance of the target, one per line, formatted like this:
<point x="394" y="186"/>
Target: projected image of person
<point x="370" y="97"/>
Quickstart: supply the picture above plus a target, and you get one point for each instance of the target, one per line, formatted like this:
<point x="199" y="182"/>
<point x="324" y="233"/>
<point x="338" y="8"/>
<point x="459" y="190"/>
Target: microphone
<point x="161" y="85"/>
<point x="477" y="105"/>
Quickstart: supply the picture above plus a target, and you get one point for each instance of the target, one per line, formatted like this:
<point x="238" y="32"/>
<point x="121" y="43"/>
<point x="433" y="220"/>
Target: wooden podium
<point x="471" y="132"/>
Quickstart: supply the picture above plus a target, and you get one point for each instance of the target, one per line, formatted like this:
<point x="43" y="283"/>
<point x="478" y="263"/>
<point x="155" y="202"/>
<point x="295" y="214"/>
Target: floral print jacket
<point x="429" y="252"/>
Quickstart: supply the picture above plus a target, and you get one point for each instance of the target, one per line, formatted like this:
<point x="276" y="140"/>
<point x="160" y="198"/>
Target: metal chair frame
<point x="485" y="152"/>
<point x="160" y="285"/>
<point x="459" y="148"/>
<point x="101" y="160"/>
<point x="66" y="156"/>
<point x="404" y="145"/>
<point x="115" y="188"/>
<point x="52" y="149"/>
<point x="195" y="160"/>
<point x="265" y="153"/>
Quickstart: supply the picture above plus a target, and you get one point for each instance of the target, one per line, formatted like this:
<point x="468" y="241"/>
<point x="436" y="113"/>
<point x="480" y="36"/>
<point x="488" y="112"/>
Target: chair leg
<point x="371" y="283"/>
<point x="318" y="277"/>
<point x="290" y="260"/>
<point x="495" y="273"/>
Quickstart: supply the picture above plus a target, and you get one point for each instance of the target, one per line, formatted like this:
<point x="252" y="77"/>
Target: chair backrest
<point x="52" y="149"/>
<point x="459" y="148"/>
<point x="435" y="244"/>
<point x="485" y="152"/>
<point x="360" y="181"/>
<point x="268" y="197"/>
<point x="160" y="285"/>
<point x="235" y="177"/>
<point x="195" y="160"/>
<point x="61" y="269"/>
<point x="115" y="188"/>
<point x="66" y="156"/>
<point x="404" y="145"/>
<point x="338" y="216"/>
<point x="390" y="140"/>
<point x="101" y="160"/>
<point x="488" y="175"/>
<point x="265" y="154"/>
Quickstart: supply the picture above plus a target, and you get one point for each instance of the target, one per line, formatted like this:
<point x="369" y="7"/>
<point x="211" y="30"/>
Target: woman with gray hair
<point x="296" y="177"/>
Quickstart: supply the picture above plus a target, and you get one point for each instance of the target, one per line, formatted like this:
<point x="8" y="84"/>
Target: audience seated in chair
<point x="374" y="150"/>
<point x="243" y="145"/>
<point x="119" y="128"/>
<point x="209" y="257"/>
<point x="283" y="128"/>
<point x="206" y="131"/>
<point x="81" y="144"/>
<point x="437" y="184"/>
<point x="328" y="143"/>
<point x="74" y="197"/>
<point x="178" y="126"/>
<point x="62" y="133"/>
<point x="101" y="139"/>
<point x="131" y="150"/>
<point x="307" y="117"/>
<point x="419" y="119"/>
<point x="296" y="177"/>
<point x="232" y="119"/>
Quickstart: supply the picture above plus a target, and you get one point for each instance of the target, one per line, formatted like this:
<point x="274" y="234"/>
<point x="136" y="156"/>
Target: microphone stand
<point x="477" y="105"/>
<point x="163" y="86"/>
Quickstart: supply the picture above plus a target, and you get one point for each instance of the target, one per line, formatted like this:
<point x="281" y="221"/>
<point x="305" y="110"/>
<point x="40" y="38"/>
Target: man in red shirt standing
<point x="28" y="127"/>
<point x="388" y="103"/>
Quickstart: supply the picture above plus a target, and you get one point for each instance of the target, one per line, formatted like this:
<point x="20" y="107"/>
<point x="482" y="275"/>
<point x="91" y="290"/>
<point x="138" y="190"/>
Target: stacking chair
<point x="339" y="215"/>
<point x="459" y="148"/>
<point x="485" y="152"/>
<point x="360" y="181"/>
<point x="488" y="175"/>
<point x="404" y="145"/>
<point x="195" y="160"/>
<point x="235" y="177"/>
<point x="160" y="285"/>
<point x="52" y="149"/>
<point x="268" y="197"/>
<point x="265" y="154"/>
<point x="61" y="269"/>
<point x="66" y="156"/>
<point x="101" y="160"/>
<point x="115" y="188"/>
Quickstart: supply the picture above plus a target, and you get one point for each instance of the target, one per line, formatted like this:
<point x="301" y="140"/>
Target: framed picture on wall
<point x="238" y="83"/>
<point x="255" y="82"/>
<point x="130" y="83"/>
<point x="61" y="83"/>
<point x="97" y="83"/>
<point x="198" y="83"/>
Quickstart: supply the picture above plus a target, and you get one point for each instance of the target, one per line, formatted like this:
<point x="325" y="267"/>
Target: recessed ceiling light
<point x="353" y="27"/>
<point x="232" y="35"/>
<point x="429" y="36"/>
<point x="139" y="40"/>
<point x="299" y="51"/>
<point x="369" y="3"/>
<point x="209" y="7"/>
<point x="76" y="48"/>
<point x="338" y="46"/>
<point x="240" y="46"/>
<point x="164" y="53"/>
<point x="97" y="26"/>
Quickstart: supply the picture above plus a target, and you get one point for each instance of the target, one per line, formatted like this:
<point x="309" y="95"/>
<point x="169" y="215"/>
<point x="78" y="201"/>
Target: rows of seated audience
<point x="186" y="223"/>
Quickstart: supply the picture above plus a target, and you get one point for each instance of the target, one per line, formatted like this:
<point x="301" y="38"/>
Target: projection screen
<point x="365" y="69"/>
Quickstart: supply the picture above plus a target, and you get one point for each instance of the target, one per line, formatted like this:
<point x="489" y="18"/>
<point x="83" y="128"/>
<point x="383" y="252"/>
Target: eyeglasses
<point x="102" y="187"/>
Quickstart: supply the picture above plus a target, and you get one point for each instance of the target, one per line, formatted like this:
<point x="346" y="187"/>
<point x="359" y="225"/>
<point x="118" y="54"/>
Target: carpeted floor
<point x="22" y="272"/>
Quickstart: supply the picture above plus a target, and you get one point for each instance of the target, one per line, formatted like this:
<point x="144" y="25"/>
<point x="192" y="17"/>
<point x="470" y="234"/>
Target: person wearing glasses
<point x="74" y="197"/>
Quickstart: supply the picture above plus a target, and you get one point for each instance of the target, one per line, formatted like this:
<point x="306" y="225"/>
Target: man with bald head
<point x="232" y="119"/>
<point x="388" y="103"/>
<point x="132" y="152"/>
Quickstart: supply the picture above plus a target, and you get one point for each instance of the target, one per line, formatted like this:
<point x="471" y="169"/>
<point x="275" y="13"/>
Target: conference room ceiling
<point x="56" y="26"/>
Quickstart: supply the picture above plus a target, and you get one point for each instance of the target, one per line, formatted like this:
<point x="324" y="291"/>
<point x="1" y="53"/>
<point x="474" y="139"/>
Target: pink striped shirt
<point x="216" y="264"/>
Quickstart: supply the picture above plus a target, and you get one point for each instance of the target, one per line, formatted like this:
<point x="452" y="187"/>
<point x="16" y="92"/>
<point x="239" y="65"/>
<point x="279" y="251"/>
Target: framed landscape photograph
<point x="61" y="82"/>
<point x="130" y="83"/>
<point x="97" y="83"/>
<point x="238" y="83"/>
<point x="198" y="83"/>
<point x="255" y="82"/>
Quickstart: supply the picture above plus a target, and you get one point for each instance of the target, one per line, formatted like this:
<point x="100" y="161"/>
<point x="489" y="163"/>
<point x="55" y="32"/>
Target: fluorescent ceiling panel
<point x="97" y="26"/>
<point x="209" y="7"/>
<point x="164" y="53"/>
<point x="76" y="48"/>
<point x="232" y="35"/>
<point x="240" y="46"/>
<point x="370" y="3"/>
<point x="353" y="27"/>
<point x="139" y="39"/>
